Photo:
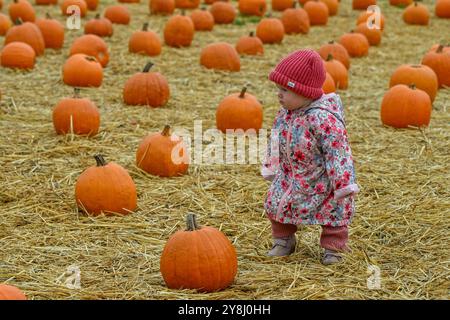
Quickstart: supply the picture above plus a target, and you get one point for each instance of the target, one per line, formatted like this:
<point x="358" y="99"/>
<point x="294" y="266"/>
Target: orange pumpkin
<point x="421" y="75"/>
<point x="270" y="30"/>
<point x="439" y="61"/>
<point x="363" y="4"/>
<point x="163" y="154"/>
<point x="164" y="7"/>
<point x="179" y="31"/>
<point x="364" y="16"/>
<point x="404" y="106"/>
<point x="21" y="9"/>
<point x="434" y="47"/>
<point x="220" y="56"/>
<point x="53" y="32"/>
<point x="5" y="24"/>
<point x="372" y="35"/>
<point x="92" y="4"/>
<point x="118" y="14"/>
<point x="187" y="4"/>
<point x="203" y="20"/>
<point x="81" y="4"/>
<point x="91" y="45"/>
<point x="29" y="33"/>
<point x="281" y="5"/>
<point x="46" y="2"/>
<point x="356" y="44"/>
<point x="18" y="55"/>
<point x="76" y="115"/>
<point x="442" y="8"/>
<point x="252" y="7"/>
<point x="338" y="52"/>
<point x="239" y="111"/>
<point x="146" y="88"/>
<point x="145" y="42"/>
<point x="189" y="255"/>
<point x="81" y="70"/>
<point x="295" y="20"/>
<point x="328" y="86"/>
<point x="416" y="13"/>
<point x="317" y="11"/>
<point x="105" y="188"/>
<point x="101" y="27"/>
<point x="223" y="12"/>
<point x="130" y="1"/>
<point x="337" y="71"/>
<point x="333" y="6"/>
<point x="400" y="3"/>
<point x="8" y="292"/>
<point x="250" y="45"/>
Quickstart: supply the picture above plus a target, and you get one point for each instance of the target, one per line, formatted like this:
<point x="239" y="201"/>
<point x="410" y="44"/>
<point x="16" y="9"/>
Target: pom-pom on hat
<point x="302" y="72"/>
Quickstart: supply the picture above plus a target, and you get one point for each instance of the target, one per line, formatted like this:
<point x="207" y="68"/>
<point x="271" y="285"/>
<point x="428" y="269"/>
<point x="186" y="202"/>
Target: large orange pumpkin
<point x="81" y="70"/>
<point x="442" y="8"/>
<point x="295" y="20"/>
<point x="118" y="14"/>
<point x="223" y="12"/>
<point x="317" y="11"/>
<point x="29" y="33"/>
<point x="281" y="5"/>
<point x="99" y="26"/>
<point x="373" y="35"/>
<point x="203" y="19"/>
<point x="187" y="4"/>
<point x="163" y="154"/>
<point x="145" y="42"/>
<point x="439" y="61"/>
<point x="105" y="188"/>
<point x="356" y="44"/>
<point x="53" y="32"/>
<point x="220" y="56"/>
<point x="364" y="16"/>
<point x="91" y="45"/>
<point x="179" y="31"/>
<point x="252" y="7"/>
<point x="146" y="88"/>
<point x="250" y="45"/>
<point x="329" y="85"/>
<point x="400" y="3"/>
<point x="270" y="30"/>
<point x="337" y="71"/>
<point x="333" y="6"/>
<point x="163" y="7"/>
<point x="239" y="111"/>
<point x="92" y="4"/>
<point x="18" y="55"/>
<point x="81" y="4"/>
<point x="421" y="75"/>
<point x="416" y="13"/>
<point x="338" y="52"/>
<point x="76" y="115"/>
<point x="5" y="24"/>
<point x="23" y="10"/>
<point x="199" y="258"/>
<point x="46" y="2"/>
<point x="363" y="4"/>
<point x="8" y="292"/>
<point x="404" y="106"/>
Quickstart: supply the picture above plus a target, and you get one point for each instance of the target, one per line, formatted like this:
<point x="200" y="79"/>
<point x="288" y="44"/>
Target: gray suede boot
<point x="331" y="257"/>
<point x="282" y="246"/>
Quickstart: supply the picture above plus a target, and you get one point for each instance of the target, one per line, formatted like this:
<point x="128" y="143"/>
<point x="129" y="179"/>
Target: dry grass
<point x="402" y="219"/>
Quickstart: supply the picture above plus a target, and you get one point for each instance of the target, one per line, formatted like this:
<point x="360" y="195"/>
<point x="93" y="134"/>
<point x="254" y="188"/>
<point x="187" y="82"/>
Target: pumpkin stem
<point x="251" y="34"/>
<point x="166" y="131"/>
<point x="416" y="66"/>
<point x="148" y="66"/>
<point x="183" y="12"/>
<point x="101" y="162"/>
<point x="331" y="42"/>
<point x="329" y="57"/>
<point x="145" y="26"/>
<point x="242" y="95"/>
<point x="191" y="222"/>
<point x="412" y="86"/>
<point x="440" y="48"/>
<point x="97" y="16"/>
<point x="47" y="15"/>
<point x="76" y="93"/>
<point x="91" y="58"/>
<point x="19" y="21"/>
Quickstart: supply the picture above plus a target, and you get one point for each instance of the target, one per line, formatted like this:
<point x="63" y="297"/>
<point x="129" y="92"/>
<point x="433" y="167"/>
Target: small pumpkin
<point x="439" y="61"/>
<point x="81" y="70"/>
<point x="129" y="1"/>
<point x="252" y="7"/>
<point x="295" y="20"/>
<point x="163" y="154"/>
<point x="333" y="6"/>
<point x="66" y="4"/>
<point x="239" y="111"/>
<point x="18" y="55"/>
<point x="442" y="8"/>
<point x="179" y="31"/>
<point x="203" y="20"/>
<point x="329" y="85"/>
<point x="8" y="292"/>
<point x="364" y="16"/>
<point x="105" y="188"/>
<point x="338" y="52"/>
<point x="29" y="33"/>
<point x="91" y="45"/>
<point x="372" y="35"/>
<point x="281" y="5"/>
<point x="416" y="13"/>
<point x="92" y="4"/>
<point x="363" y="4"/>
<point x="223" y="12"/>
<point x="101" y="27"/>
<point x="118" y="14"/>
<point x="337" y="71"/>
<point x="400" y="3"/>
<point x="356" y="44"/>
<point x="46" y="2"/>
<point x="270" y="30"/>
<point x="23" y="10"/>
<point x="189" y="255"/>
<point x="5" y="24"/>
<point x="404" y="106"/>
<point x="146" y="88"/>
<point x="421" y="75"/>
<point x="163" y="7"/>
<point x="53" y="32"/>
<point x="220" y="56"/>
<point x="250" y="45"/>
<point x="187" y="4"/>
<point x="317" y="11"/>
<point x="76" y="115"/>
<point x="145" y="42"/>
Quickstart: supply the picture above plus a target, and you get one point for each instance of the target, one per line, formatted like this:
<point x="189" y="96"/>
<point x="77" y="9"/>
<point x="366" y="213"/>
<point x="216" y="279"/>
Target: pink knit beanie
<point x="302" y="72"/>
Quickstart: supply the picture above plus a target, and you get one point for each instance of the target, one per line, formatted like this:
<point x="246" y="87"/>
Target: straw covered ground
<point x="402" y="222"/>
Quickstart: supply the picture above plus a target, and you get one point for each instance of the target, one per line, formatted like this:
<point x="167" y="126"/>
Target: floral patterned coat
<point x="310" y="164"/>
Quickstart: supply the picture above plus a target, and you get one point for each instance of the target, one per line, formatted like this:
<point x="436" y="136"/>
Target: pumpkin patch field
<point x="92" y="207"/>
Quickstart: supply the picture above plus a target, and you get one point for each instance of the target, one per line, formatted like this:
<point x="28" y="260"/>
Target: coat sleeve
<point x="331" y="136"/>
<point x="270" y="164"/>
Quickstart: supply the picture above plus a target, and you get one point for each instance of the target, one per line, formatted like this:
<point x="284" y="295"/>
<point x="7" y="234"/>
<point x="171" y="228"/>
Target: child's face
<point x="290" y="100"/>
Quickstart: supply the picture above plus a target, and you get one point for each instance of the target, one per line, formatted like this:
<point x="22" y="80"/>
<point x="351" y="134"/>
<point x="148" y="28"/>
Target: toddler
<point x="308" y="160"/>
